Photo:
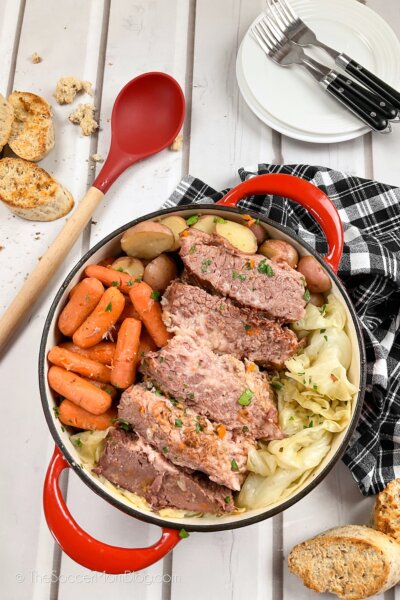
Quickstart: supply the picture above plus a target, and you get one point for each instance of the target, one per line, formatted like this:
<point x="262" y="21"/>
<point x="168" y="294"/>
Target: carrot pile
<point x="87" y="370"/>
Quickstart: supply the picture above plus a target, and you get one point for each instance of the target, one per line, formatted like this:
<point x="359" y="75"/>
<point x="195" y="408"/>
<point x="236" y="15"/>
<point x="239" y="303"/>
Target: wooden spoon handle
<point x="48" y="265"/>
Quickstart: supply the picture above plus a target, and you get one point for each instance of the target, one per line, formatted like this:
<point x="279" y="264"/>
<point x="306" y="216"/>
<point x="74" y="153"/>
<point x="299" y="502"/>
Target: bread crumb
<point x="2" y="248"/>
<point x="68" y="87"/>
<point x="83" y="115"/>
<point x="177" y="144"/>
<point x="97" y="158"/>
<point x="36" y="58"/>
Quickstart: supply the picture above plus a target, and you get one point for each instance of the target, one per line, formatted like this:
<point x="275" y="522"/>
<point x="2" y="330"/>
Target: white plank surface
<point x="196" y="42"/>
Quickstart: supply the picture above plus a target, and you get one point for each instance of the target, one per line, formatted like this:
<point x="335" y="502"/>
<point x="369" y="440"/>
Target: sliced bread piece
<point x="30" y="192"/>
<point x="387" y="510"/>
<point x="32" y="131"/>
<point x="352" y="561"/>
<point x="6" y="119"/>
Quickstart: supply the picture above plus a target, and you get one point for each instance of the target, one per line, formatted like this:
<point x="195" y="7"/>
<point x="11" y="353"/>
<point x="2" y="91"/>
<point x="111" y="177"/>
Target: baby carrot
<point x="79" y="391"/>
<point x="146" y="343"/>
<point x="126" y="354"/>
<point x="111" y="277"/>
<point x="100" y="321"/>
<point x="149" y="310"/>
<point x="102" y="352"/>
<point x="106" y="387"/>
<point x="75" y="416"/>
<point x="83" y="299"/>
<point x="79" y="364"/>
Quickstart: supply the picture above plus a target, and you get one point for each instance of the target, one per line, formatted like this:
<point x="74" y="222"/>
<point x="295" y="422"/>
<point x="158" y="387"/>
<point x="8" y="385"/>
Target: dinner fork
<point x="283" y="52"/>
<point x="299" y="33"/>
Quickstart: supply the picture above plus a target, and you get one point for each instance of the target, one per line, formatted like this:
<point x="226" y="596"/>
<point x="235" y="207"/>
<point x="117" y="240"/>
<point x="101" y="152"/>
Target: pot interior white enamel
<point x="111" y="246"/>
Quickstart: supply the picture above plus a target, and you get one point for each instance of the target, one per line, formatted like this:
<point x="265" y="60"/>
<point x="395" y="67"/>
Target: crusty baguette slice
<point x="6" y="119"/>
<point x="32" y="131"/>
<point x="30" y="192"/>
<point x="352" y="561"/>
<point x="387" y="510"/>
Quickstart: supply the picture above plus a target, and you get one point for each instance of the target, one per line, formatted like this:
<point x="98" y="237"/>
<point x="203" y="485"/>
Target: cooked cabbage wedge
<point x="314" y="403"/>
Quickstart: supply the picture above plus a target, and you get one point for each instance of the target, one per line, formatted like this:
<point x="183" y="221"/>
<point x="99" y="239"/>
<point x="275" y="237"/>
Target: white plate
<point x="289" y="100"/>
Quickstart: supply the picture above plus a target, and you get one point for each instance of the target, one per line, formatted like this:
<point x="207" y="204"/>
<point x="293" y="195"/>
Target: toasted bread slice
<point x="387" y="510"/>
<point x="30" y="192"/>
<point x="32" y="132"/>
<point x="352" y="561"/>
<point x="6" y="119"/>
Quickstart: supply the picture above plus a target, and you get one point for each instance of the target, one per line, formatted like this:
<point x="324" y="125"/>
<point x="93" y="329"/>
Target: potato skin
<point x="317" y="299"/>
<point x="147" y="240"/>
<point x="132" y="266"/>
<point x="159" y="273"/>
<point x="316" y="279"/>
<point x="259" y="232"/>
<point x="279" y="250"/>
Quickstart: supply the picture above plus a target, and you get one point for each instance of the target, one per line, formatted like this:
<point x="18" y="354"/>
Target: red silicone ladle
<point x="147" y="116"/>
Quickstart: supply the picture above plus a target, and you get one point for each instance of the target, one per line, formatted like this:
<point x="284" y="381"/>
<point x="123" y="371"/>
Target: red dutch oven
<point x="92" y="553"/>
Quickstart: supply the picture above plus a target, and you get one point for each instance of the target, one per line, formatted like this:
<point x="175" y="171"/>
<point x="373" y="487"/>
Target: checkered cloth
<point x="370" y="270"/>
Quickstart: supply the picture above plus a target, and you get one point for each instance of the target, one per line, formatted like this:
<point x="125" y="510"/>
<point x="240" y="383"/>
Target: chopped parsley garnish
<point x="178" y="423"/>
<point x="192" y="220"/>
<point x="228" y="499"/>
<point x="245" y="398"/>
<point x="115" y="283"/>
<point x="276" y="385"/>
<point x="245" y="429"/>
<point x="192" y="249"/>
<point x="322" y="310"/>
<point x="161" y="359"/>
<point x="205" y="264"/>
<point x="315" y="387"/>
<point x="291" y="418"/>
<point x="157" y="392"/>
<point x="56" y="411"/>
<point x="108" y="391"/>
<point x="120" y="269"/>
<point x="234" y="465"/>
<point x="265" y="268"/>
<point x="198" y="427"/>
<point x="122" y="424"/>
<point x="174" y="402"/>
<point x="219" y="220"/>
<point x="236" y="275"/>
<point x="247" y="327"/>
<point x="129" y="282"/>
<point x="165" y="449"/>
<point x="155" y="295"/>
<point x="183" y="534"/>
<point x="307" y="296"/>
<point x="222" y="307"/>
<point x="108" y="308"/>
<point x="322" y="330"/>
<point x="191" y="396"/>
<point x="326" y="338"/>
<point x="78" y="442"/>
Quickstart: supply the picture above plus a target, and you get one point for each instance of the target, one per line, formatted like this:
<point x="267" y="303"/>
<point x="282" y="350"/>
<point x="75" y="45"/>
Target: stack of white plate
<point x="289" y="100"/>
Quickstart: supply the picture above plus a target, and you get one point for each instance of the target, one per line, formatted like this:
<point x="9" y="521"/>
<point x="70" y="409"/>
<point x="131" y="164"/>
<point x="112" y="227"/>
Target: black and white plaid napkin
<point x="370" y="270"/>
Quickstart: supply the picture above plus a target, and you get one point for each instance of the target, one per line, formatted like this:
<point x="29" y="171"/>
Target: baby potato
<point x="279" y="250"/>
<point x="239" y="236"/>
<point x="133" y="266"/>
<point x="159" y="273"/>
<point x="316" y="278"/>
<point x="176" y="225"/>
<point x="147" y="240"/>
<point x="259" y="232"/>
<point x="206" y="223"/>
<point x="317" y="299"/>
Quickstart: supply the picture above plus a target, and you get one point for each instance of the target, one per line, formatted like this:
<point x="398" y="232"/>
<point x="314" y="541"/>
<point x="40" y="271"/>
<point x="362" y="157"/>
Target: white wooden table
<point x="108" y="42"/>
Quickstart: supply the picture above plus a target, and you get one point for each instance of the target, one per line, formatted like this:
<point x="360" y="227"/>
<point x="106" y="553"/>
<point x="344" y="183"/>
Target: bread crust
<point x="386" y="515"/>
<point x="6" y="120"/>
<point x="352" y="561"/>
<point x="32" y="131"/>
<point x="31" y="193"/>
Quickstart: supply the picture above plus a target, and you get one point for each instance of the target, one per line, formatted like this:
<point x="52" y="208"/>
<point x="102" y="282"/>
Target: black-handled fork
<point x="346" y="91"/>
<point x="299" y="33"/>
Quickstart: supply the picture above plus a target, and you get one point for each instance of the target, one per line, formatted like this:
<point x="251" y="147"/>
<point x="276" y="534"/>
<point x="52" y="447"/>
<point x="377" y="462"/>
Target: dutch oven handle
<point x="306" y="194"/>
<point x="83" y="548"/>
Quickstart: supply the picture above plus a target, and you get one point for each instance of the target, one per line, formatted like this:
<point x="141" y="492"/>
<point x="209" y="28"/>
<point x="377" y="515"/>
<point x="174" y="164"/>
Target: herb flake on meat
<point x="265" y="268"/>
<point x="234" y="465"/>
<point x="205" y="264"/>
<point x="307" y="295"/>
<point x="192" y="249"/>
<point x="245" y="398"/>
<point x="236" y="275"/>
<point x="178" y="423"/>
